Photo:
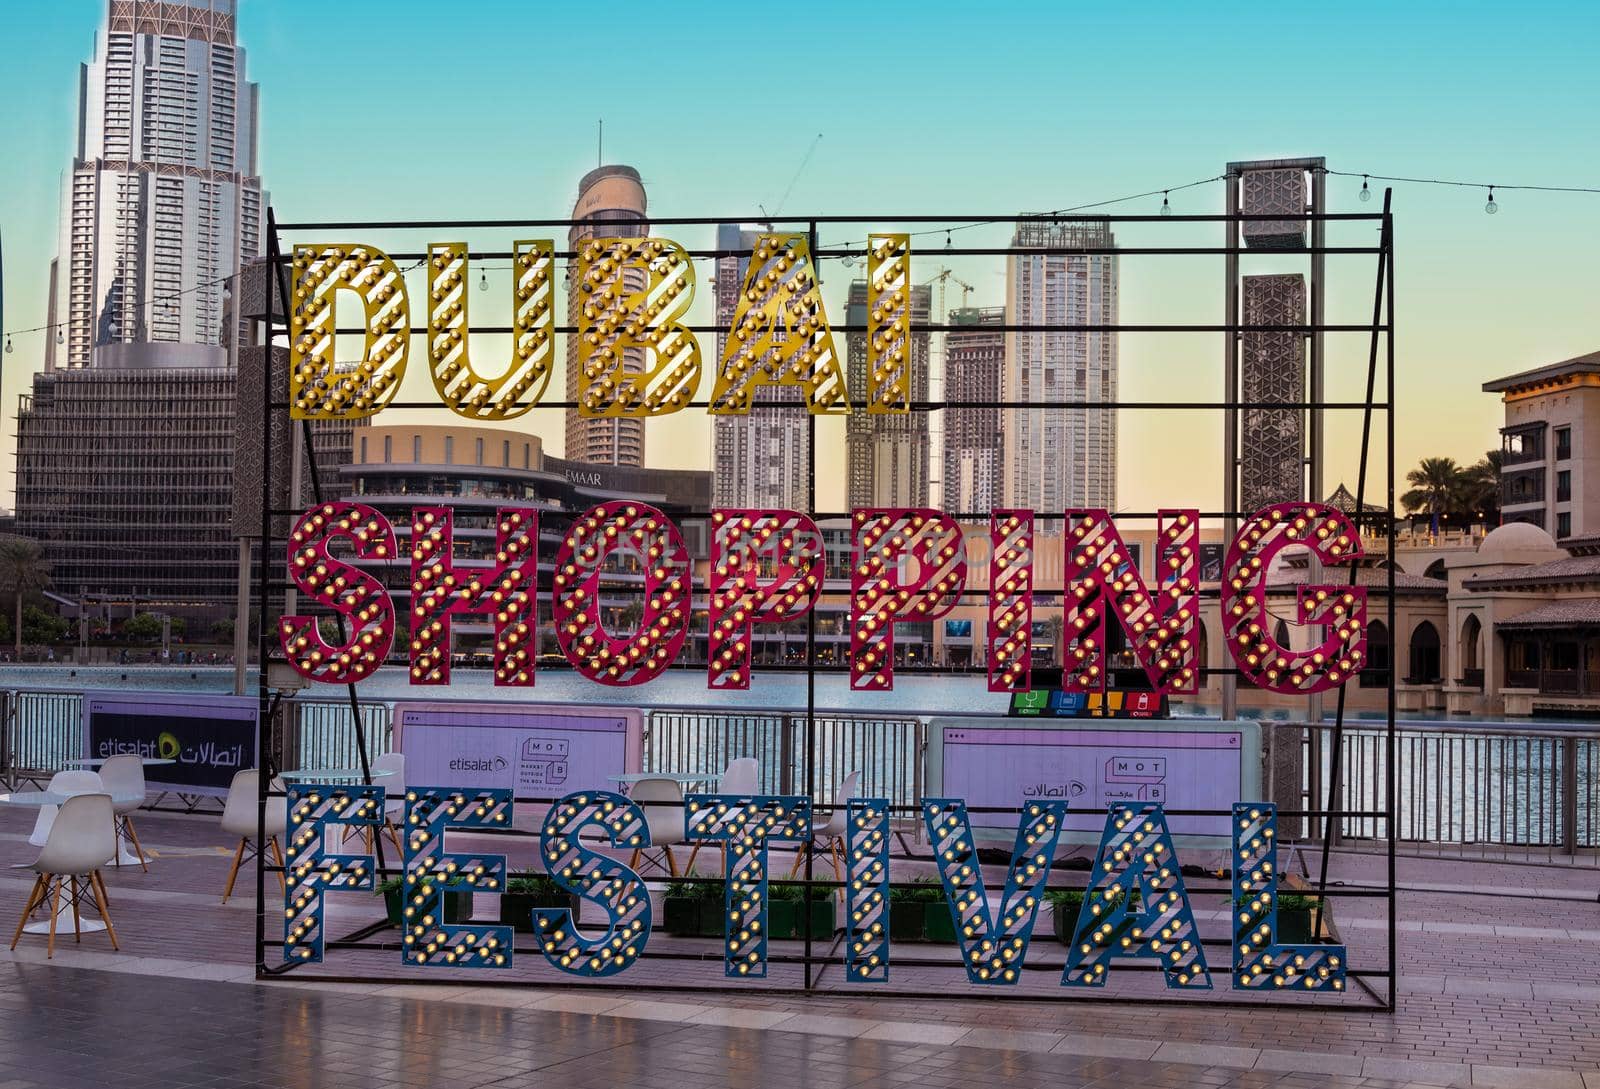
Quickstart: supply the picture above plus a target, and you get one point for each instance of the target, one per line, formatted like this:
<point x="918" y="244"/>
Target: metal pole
<point x="1316" y="425"/>
<point x="1392" y="800"/>
<point x="811" y="646"/>
<point x="1230" y="417"/>
<point x="264" y="575"/>
<point x="1336" y="751"/>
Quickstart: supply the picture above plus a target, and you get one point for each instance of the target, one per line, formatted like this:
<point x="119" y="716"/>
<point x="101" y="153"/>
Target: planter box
<point x="457" y="906"/>
<point x="1294" y="927"/>
<point x="687" y="917"/>
<point x="516" y="909"/>
<point x="1066" y="919"/>
<point x="785" y="919"/>
<point x="905" y="920"/>
<point x="938" y="924"/>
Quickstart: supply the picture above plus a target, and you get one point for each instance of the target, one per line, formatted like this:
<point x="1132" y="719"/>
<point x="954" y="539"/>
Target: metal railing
<point x="1464" y="790"/>
<point x="1473" y="790"/>
<point x="886" y="751"/>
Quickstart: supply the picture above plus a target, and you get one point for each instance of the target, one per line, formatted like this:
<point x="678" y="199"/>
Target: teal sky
<point x="488" y="109"/>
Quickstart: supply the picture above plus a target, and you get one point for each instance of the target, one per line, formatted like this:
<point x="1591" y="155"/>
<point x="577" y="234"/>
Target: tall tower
<point x="611" y="204"/>
<point x="974" y="438"/>
<point x="761" y="459"/>
<point x="887" y="455"/>
<point x="1059" y="457"/>
<point x="163" y="201"/>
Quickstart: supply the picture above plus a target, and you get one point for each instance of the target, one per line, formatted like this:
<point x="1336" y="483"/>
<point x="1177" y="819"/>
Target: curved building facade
<point x="611" y="203"/>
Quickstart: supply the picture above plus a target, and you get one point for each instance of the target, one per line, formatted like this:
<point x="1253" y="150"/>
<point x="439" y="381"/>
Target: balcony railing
<point x="1556" y="682"/>
<point x="1471" y="678"/>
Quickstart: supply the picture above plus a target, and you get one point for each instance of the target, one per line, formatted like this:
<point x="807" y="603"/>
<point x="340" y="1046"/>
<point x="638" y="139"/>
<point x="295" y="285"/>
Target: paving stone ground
<point x="1499" y="985"/>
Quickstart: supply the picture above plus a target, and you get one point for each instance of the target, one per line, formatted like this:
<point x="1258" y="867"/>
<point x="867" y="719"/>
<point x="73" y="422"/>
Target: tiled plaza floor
<point x="1496" y="989"/>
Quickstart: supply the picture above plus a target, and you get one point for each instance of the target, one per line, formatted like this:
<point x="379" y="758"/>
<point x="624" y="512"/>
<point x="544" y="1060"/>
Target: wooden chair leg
<point x="35" y="898"/>
<point x="799" y="857"/>
<point x="97" y="885"/>
<point x="233" y="872"/>
<point x="633" y="863"/>
<point x="693" y="854"/>
<point x="838" y="862"/>
<point x="55" y="910"/>
<point x="77" y="923"/>
<point x="672" y="863"/>
<point x="127" y="824"/>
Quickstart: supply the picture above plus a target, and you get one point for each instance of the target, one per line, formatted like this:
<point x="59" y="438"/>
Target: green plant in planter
<point x="1067" y="906"/>
<point x="1295" y="916"/>
<point x="905" y="912"/>
<point x="693" y="909"/>
<point x="457" y="905"/>
<point x="528" y="890"/>
<point x="787" y="915"/>
<point x="938" y="922"/>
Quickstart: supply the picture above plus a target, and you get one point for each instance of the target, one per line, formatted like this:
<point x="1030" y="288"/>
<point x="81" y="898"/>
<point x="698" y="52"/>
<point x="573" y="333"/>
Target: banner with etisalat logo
<point x="533" y="750"/>
<point x="207" y="738"/>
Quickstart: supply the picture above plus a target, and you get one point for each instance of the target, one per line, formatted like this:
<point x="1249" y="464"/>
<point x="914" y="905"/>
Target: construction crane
<point x="945" y="275"/>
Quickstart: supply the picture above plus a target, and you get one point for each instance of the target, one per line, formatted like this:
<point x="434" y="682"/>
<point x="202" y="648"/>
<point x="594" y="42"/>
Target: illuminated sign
<point x="768" y="566"/>
<point x="1136" y="906"/>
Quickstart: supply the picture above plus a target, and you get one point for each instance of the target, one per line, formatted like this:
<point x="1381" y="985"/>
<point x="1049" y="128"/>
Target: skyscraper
<point x="163" y="201"/>
<point x="1059" y="457"/>
<point x="974" y="438"/>
<point x="611" y="203"/>
<point x="762" y="459"/>
<point x="887" y="455"/>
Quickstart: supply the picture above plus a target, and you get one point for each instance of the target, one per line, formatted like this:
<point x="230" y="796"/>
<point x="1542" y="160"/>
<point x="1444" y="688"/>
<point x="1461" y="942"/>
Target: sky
<point x="489" y="109"/>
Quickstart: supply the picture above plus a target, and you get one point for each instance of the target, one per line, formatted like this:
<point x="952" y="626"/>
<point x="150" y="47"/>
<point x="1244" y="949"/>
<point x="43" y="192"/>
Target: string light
<point x="1366" y="191"/>
<point x="1491" y="208"/>
<point x="483" y="281"/>
<point x="9" y="346"/>
<point x="1166" y="206"/>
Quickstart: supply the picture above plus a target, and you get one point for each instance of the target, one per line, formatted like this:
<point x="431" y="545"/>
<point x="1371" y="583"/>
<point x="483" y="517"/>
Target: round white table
<point x="50" y="797"/>
<point x="335" y="776"/>
<point x="682" y="778"/>
<point x="334" y="835"/>
<point x="124" y="857"/>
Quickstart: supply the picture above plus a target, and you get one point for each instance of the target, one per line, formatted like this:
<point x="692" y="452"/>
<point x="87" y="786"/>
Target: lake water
<point x="912" y="695"/>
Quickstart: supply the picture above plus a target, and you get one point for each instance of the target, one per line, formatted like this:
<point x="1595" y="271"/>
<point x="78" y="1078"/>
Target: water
<point x="912" y="695"/>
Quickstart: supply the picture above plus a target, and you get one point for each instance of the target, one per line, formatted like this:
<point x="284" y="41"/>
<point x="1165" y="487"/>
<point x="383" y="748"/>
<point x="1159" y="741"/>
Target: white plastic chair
<point x="63" y="782"/>
<point x="662" y="802"/>
<point x="240" y="818"/>
<point x="82" y="836"/>
<point x="124" y="775"/>
<point x="742" y="777"/>
<point x="394" y="794"/>
<point x="829" y="834"/>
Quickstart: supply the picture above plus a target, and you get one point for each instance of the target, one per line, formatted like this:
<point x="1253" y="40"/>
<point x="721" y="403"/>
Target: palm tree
<point x="1480" y="487"/>
<point x="1435" y="487"/>
<point x="23" y="571"/>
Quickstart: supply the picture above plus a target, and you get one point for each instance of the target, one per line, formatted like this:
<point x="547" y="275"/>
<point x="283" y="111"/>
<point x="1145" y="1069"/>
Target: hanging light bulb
<point x="947" y="243"/>
<point x="483" y="281"/>
<point x="1491" y="208"/>
<point x="9" y="346"/>
<point x="1166" y="206"/>
<point x="1366" y="193"/>
<point x="61" y="338"/>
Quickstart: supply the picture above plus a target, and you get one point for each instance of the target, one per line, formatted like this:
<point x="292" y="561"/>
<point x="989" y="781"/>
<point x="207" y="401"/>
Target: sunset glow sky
<point x="488" y="109"/>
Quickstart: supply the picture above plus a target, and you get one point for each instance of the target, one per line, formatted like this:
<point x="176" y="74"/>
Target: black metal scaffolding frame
<point x="816" y="959"/>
